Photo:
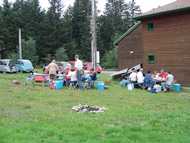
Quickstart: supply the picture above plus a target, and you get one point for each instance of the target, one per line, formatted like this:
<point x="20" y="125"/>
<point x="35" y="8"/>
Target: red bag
<point x="39" y="78"/>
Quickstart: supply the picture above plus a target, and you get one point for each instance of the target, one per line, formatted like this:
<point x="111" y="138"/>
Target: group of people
<point x="77" y="75"/>
<point x="154" y="82"/>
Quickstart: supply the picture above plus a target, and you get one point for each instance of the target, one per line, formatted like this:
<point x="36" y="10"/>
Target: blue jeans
<point x="124" y="83"/>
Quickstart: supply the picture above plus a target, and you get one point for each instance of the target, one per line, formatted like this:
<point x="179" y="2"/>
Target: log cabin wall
<point x="166" y="44"/>
<point x="130" y="50"/>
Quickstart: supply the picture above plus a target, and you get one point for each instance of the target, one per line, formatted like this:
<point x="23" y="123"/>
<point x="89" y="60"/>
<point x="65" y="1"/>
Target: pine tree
<point x="116" y="20"/>
<point x="81" y="28"/>
<point x="117" y="11"/>
<point x="28" y="16"/>
<point x="1" y="32"/>
<point x="8" y="32"/>
<point x="53" y="27"/>
<point x="69" y="42"/>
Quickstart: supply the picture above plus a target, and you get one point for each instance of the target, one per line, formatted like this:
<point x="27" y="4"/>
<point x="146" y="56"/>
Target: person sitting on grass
<point x="168" y="83"/>
<point x="156" y="88"/>
<point x="163" y="75"/>
<point x="124" y="81"/>
<point x="133" y="76"/>
<point x="140" y="78"/>
<point x="156" y="76"/>
<point x="148" y="81"/>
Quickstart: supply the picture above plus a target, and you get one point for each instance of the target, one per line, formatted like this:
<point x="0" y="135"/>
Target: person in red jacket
<point x="163" y="75"/>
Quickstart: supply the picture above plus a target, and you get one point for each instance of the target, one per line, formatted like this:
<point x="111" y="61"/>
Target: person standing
<point x="79" y="67"/>
<point x="78" y="63"/>
<point x="73" y="77"/>
<point x="52" y="69"/>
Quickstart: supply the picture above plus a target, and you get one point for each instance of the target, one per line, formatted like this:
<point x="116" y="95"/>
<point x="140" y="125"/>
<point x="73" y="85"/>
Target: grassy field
<point x="40" y="115"/>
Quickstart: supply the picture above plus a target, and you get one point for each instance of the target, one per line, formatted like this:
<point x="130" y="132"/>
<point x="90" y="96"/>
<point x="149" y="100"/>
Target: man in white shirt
<point x="79" y="67"/>
<point x="78" y="63"/>
<point x="140" y="76"/>
<point x="133" y="77"/>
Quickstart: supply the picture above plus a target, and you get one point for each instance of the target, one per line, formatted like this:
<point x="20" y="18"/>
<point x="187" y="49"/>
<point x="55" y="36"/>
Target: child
<point x="73" y="77"/>
<point x="93" y="77"/>
<point x="86" y="75"/>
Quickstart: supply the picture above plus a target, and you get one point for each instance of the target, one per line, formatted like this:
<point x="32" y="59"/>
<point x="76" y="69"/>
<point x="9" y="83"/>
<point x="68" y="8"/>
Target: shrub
<point x="110" y="59"/>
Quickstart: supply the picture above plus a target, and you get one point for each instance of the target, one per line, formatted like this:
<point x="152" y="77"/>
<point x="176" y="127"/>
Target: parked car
<point x="7" y="66"/>
<point x="24" y="65"/>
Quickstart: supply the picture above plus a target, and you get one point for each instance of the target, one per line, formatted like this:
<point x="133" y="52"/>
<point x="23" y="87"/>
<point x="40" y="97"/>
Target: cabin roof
<point x="177" y="6"/>
<point x="127" y="33"/>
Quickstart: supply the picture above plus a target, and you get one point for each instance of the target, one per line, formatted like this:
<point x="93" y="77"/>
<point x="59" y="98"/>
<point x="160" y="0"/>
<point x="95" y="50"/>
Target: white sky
<point x="145" y="5"/>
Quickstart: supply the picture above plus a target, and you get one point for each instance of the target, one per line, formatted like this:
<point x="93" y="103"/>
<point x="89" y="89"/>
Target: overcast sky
<point x="144" y="4"/>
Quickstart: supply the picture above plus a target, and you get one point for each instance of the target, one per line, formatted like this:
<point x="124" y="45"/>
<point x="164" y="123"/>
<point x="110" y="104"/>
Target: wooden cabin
<point x="160" y="40"/>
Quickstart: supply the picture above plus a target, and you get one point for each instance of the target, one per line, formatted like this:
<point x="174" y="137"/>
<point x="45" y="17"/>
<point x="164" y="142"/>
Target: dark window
<point x="151" y="59"/>
<point x="150" y="26"/>
<point x="1" y="63"/>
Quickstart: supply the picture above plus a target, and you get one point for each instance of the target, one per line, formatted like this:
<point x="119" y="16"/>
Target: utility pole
<point x="20" y="43"/>
<point x="133" y="8"/>
<point x="93" y="32"/>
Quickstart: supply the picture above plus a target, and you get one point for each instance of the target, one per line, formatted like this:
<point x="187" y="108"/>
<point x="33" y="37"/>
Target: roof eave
<point x="162" y="13"/>
<point x="127" y="33"/>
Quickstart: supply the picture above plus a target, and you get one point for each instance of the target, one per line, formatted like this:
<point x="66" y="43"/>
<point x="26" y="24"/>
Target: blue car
<point x="24" y="65"/>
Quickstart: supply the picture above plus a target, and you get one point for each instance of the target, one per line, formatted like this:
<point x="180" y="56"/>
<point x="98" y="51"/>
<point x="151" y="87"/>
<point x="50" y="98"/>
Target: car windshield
<point x="24" y="62"/>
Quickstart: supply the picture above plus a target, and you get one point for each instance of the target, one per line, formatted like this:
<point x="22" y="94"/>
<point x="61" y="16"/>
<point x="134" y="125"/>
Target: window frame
<point x="150" y="26"/>
<point x="149" y="56"/>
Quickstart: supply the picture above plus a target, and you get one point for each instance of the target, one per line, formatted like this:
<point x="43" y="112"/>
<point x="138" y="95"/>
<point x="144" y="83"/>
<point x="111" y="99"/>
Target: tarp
<point x="119" y="74"/>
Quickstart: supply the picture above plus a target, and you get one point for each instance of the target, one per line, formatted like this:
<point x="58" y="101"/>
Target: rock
<point x="16" y="82"/>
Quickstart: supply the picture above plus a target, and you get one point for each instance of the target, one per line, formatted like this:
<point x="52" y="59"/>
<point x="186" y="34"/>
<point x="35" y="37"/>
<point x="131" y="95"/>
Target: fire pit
<point x="88" y="108"/>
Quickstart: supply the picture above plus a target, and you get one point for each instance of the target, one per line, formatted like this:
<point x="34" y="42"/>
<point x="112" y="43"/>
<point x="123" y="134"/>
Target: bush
<point x="110" y="59"/>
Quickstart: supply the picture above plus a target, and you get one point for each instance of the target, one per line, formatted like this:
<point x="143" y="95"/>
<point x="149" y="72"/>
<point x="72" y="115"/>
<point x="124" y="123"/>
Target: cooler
<point x="176" y="87"/>
<point x="59" y="84"/>
<point x="100" y="86"/>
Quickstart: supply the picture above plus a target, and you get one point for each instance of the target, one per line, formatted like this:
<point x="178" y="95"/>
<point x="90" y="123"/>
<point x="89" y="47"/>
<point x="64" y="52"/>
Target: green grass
<point x="40" y="115"/>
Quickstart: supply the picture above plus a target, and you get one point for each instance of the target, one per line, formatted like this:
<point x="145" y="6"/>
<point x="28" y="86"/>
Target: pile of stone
<point x="87" y="108"/>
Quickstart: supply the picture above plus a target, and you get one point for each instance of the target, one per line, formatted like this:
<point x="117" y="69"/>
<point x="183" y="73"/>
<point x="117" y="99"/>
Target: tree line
<point x="58" y="33"/>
